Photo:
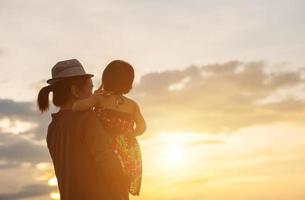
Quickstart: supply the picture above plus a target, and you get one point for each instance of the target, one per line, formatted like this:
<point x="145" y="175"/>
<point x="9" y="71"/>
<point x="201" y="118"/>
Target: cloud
<point x="22" y="131"/>
<point x="16" y="149"/>
<point x="25" y="112"/>
<point x="15" y="109"/>
<point x="219" y="97"/>
<point x="210" y="99"/>
<point x="213" y="98"/>
<point x="28" y="191"/>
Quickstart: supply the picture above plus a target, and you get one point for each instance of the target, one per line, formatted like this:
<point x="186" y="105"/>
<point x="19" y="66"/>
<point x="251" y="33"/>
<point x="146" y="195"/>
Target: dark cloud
<point x="9" y="165"/>
<point x="25" y="146"/>
<point x="28" y="191"/>
<point x="10" y="108"/>
<point x="217" y="97"/>
<point x="26" y="111"/>
<point x="17" y="150"/>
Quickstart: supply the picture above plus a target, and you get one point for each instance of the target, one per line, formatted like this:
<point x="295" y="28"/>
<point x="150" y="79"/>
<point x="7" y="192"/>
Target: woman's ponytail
<point x="43" y="98"/>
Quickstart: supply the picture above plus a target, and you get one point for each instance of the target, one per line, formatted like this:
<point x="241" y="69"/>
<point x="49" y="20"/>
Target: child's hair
<point x="118" y="77"/>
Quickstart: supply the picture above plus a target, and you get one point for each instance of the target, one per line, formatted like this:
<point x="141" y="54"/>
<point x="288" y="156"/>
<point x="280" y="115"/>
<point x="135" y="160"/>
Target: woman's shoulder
<point x="130" y="102"/>
<point x="88" y="115"/>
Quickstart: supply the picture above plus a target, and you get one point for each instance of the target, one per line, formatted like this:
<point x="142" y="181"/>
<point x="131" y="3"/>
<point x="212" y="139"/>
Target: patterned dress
<point x="120" y="126"/>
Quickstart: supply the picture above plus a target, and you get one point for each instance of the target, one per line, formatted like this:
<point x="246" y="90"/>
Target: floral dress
<point x="120" y="126"/>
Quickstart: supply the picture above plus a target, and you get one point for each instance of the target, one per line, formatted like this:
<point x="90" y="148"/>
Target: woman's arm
<point x="85" y="104"/>
<point x="139" y="120"/>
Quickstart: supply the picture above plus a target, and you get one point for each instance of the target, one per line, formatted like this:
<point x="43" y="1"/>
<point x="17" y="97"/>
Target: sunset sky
<point x="220" y="83"/>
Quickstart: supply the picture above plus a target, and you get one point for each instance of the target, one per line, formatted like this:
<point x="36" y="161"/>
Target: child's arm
<point x="85" y="104"/>
<point x="140" y="122"/>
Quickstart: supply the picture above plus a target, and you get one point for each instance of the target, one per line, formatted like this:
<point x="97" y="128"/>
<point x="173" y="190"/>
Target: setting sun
<point x="202" y="100"/>
<point x="172" y="151"/>
<point x="174" y="155"/>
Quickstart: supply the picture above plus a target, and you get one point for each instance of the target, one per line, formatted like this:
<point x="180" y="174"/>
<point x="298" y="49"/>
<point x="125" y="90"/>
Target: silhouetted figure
<point x="85" y="165"/>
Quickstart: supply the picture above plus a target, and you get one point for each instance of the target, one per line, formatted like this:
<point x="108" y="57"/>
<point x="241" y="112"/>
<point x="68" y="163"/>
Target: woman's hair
<point x="118" y="77"/>
<point x="61" y="92"/>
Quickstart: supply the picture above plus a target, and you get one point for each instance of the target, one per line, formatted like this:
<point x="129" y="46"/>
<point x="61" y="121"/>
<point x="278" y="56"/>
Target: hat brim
<point x="55" y="80"/>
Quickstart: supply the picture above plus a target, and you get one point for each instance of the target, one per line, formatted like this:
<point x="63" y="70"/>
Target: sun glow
<point x="55" y="195"/>
<point x="52" y="181"/>
<point x="172" y="152"/>
<point x="15" y="126"/>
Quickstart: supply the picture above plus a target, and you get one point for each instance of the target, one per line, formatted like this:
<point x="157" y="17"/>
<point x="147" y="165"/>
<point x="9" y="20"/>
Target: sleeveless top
<point x="120" y="127"/>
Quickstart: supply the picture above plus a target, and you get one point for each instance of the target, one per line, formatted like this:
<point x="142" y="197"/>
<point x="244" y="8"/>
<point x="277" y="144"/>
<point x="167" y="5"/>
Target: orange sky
<point x="220" y="84"/>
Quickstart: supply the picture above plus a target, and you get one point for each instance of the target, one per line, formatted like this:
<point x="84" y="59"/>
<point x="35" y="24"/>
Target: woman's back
<point x="69" y="136"/>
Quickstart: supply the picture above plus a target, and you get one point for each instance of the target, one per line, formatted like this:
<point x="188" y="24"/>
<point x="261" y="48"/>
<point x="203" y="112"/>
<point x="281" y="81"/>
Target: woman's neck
<point x="68" y="105"/>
